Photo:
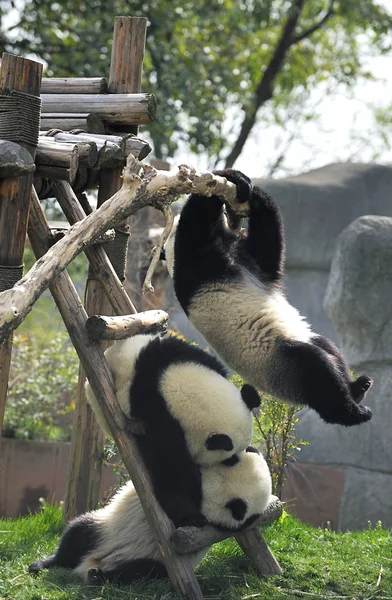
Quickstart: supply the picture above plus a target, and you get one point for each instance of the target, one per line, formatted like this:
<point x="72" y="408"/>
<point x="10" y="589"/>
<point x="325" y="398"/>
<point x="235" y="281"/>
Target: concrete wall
<point x="31" y="470"/>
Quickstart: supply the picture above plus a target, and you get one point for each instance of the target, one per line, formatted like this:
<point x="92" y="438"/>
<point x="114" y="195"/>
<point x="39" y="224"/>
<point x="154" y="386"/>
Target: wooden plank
<point x="74" y="85"/>
<point x="68" y="122"/>
<point x="117" y="109"/>
<point x="100" y="378"/>
<point x="21" y="75"/>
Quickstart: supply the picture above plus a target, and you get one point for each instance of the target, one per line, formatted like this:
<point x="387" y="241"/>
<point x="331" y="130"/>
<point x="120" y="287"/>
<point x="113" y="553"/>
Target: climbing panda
<point x="230" y="284"/>
<point x="193" y="415"/>
<point x="115" y="543"/>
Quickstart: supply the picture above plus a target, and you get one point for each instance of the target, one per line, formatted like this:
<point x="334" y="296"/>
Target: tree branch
<point x="308" y="32"/>
<point x="142" y="186"/>
<point x="264" y="89"/>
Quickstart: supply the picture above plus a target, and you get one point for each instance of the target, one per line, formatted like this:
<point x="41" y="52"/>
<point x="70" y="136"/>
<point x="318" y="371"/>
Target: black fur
<point x="163" y="447"/>
<point x="80" y="537"/>
<point x="230" y="462"/>
<point x="129" y="572"/>
<point x="237" y="507"/>
<point x="207" y="252"/>
<point x="219" y="441"/>
<point x="250" y="396"/>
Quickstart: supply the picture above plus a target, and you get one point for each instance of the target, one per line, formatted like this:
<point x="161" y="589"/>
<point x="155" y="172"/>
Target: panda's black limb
<point x="303" y="373"/>
<point x="128" y="572"/>
<point x="80" y="537"/>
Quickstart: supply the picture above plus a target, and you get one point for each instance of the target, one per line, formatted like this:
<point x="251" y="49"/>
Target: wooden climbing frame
<point x="112" y="313"/>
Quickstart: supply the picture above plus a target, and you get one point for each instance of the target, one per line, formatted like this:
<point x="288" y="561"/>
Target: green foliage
<point x="42" y="389"/>
<point x="204" y="60"/>
<point x="317" y="563"/>
<point x="273" y="434"/>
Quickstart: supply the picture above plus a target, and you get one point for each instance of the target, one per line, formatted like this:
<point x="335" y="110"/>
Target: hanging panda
<point x="116" y="544"/>
<point x="231" y="287"/>
<point x="193" y="415"/>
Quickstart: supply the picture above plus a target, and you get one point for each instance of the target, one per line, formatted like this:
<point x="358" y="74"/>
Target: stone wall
<point x="345" y="474"/>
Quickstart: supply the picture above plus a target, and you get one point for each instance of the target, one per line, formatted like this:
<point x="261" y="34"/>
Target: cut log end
<point x="117" y="328"/>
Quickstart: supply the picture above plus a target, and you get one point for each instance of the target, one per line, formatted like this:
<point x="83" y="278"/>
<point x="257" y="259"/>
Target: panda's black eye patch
<point x="219" y="441"/>
<point x="230" y="462"/>
<point x="238" y="508"/>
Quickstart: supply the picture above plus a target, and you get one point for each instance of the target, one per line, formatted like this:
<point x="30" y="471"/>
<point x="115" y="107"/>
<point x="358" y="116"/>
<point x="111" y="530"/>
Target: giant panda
<point x="230" y="284"/>
<point x="193" y="415"/>
<point x="115" y="543"/>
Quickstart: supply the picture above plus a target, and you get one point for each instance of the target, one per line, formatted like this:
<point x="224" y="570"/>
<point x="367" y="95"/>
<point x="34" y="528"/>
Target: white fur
<point x="121" y="358"/>
<point x="206" y="403"/>
<point x="248" y="480"/>
<point x="243" y="321"/>
<point x="201" y="400"/>
<point x="125" y="535"/>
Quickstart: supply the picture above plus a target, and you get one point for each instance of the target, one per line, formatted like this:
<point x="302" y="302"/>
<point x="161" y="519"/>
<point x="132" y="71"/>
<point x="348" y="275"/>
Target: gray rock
<point x="367" y="446"/>
<point x="359" y="293"/>
<point x="366" y="497"/>
<point x="319" y="204"/>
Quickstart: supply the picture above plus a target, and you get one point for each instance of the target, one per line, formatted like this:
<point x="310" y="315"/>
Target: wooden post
<point x="125" y="77"/>
<point x="90" y="353"/>
<point x="20" y="75"/>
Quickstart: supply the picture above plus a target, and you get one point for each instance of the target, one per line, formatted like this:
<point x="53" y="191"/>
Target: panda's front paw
<point x="243" y="183"/>
<point x="95" y="577"/>
<point x="360" y="387"/>
<point x="36" y="567"/>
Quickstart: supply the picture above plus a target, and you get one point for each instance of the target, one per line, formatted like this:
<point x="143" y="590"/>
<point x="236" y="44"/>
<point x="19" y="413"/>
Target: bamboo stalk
<point x="74" y="85"/>
<point x="22" y="75"/>
<point x="117" y="109"/>
<point x="117" y="328"/>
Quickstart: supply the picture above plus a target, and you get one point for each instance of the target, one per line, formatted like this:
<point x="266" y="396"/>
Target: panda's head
<point x="237" y="491"/>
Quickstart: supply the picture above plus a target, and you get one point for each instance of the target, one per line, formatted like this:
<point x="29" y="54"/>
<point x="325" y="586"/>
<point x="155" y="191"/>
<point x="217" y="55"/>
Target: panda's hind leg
<point x="360" y="386"/>
<point x="302" y="373"/>
<point x="128" y="572"/>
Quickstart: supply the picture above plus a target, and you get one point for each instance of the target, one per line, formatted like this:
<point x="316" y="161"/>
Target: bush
<point x="42" y="389"/>
<point x="273" y="434"/>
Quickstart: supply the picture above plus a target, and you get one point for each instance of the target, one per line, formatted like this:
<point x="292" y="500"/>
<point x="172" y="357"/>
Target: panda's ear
<point x="252" y="449"/>
<point x="250" y="396"/>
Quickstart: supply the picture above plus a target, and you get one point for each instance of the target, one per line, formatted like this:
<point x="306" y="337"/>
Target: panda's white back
<point x="206" y="403"/>
<point x="124" y="534"/>
<point x="243" y="321"/>
<point x="121" y="358"/>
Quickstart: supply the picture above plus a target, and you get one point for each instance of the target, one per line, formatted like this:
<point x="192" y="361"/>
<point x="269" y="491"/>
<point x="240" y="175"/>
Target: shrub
<point x="273" y="434"/>
<point x="41" y="391"/>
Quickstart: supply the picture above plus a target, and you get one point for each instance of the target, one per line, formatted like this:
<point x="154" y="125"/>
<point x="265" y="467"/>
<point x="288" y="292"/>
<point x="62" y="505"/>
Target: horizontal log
<point x="67" y="122"/>
<point x="55" y="154"/>
<point x="55" y="173"/>
<point x="86" y="149"/>
<point x="129" y="143"/>
<point x="74" y="85"/>
<point x="118" y="328"/>
<point x="15" y="161"/>
<point x="116" y="109"/>
<point x="186" y="540"/>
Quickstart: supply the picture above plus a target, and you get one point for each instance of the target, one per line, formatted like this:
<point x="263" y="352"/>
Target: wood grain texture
<point x="256" y="549"/>
<point x="116" y="109"/>
<point x="67" y="122"/>
<point x="117" y="328"/>
<point x="100" y="378"/>
<point x="74" y="85"/>
<point x="191" y="539"/>
<point x="22" y="75"/>
<point x="127" y="142"/>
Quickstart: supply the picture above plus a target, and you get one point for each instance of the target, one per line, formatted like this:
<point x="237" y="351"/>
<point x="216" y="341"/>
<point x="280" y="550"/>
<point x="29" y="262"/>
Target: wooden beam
<point x="118" y="328"/>
<point x="74" y="85"/>
<point x="128" y="143"/>
<point x="68" y="122"/>
<point x="20" y="75"/>
<point x="186" y="540"/>
<point x="116" y="109"/>
<point x="100" y="378"/>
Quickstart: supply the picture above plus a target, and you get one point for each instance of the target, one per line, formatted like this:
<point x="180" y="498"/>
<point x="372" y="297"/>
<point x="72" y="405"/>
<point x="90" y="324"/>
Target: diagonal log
<point x="142" y="186"/>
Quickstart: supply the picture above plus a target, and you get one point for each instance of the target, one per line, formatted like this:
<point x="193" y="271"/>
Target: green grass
<point x="317" y="564"/>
